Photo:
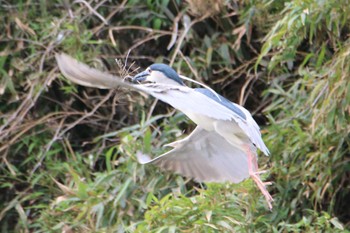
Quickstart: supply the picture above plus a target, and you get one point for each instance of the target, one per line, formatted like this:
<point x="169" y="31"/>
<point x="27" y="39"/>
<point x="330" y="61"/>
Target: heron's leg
<point x="254" y="174"/>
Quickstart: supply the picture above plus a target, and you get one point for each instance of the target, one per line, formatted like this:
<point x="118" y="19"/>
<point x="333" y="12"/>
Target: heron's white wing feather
<point x="187" y="100"/>
<point x="204" y="156"/>
<point x="251" y="128"/>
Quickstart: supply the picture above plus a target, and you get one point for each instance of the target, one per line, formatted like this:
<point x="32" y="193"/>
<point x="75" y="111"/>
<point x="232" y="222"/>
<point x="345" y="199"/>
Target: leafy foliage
<point x="68" y="152"/>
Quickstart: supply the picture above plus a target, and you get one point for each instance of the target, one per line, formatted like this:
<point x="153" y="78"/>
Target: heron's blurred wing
<point x="204" y="156"/>
<point x="84" y="75"/>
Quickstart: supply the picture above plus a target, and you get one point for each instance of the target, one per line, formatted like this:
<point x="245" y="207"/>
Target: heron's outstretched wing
<point x="180" y="97"/>
<point x="183" y="98"/>
<point x="204" y="156"/>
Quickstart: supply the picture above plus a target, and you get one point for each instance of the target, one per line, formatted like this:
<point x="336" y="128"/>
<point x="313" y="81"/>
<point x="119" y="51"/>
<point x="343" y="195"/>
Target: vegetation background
<point x="68" y="152"/>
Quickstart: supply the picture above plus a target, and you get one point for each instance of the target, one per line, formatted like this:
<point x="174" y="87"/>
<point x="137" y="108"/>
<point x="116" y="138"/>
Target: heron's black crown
<point x="167" y="71"/>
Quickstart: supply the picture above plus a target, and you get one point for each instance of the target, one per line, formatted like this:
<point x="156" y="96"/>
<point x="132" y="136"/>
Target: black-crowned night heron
<point x="223" y="145"/>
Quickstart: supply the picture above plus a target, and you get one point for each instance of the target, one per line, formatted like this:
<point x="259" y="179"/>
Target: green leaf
<point x="157" y="23"/>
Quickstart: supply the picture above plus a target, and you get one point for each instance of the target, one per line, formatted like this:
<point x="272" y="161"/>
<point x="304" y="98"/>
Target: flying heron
<point x="223" y="146"/>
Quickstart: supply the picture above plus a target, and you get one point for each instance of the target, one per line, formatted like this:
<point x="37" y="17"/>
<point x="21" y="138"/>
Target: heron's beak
<point x="141" y="76"/>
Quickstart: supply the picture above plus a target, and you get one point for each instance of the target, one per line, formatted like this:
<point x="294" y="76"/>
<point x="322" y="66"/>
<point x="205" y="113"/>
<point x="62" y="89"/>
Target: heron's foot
<point x="262" y="186"/>
<point x="255" y="175"/>
<point x="258" y="173"/>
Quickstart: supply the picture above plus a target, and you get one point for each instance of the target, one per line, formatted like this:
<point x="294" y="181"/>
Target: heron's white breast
<point x="227" y="129"/>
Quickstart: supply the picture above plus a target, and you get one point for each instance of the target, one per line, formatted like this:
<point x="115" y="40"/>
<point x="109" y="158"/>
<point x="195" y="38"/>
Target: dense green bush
<point x="68" y="152"/>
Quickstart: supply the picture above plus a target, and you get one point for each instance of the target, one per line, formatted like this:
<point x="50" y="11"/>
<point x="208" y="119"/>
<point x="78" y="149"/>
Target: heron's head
<point x="159" y="73"/>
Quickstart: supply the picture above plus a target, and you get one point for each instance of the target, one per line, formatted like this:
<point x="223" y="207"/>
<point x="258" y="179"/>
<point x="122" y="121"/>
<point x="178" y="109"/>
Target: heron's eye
<point x="149" y="70"/>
